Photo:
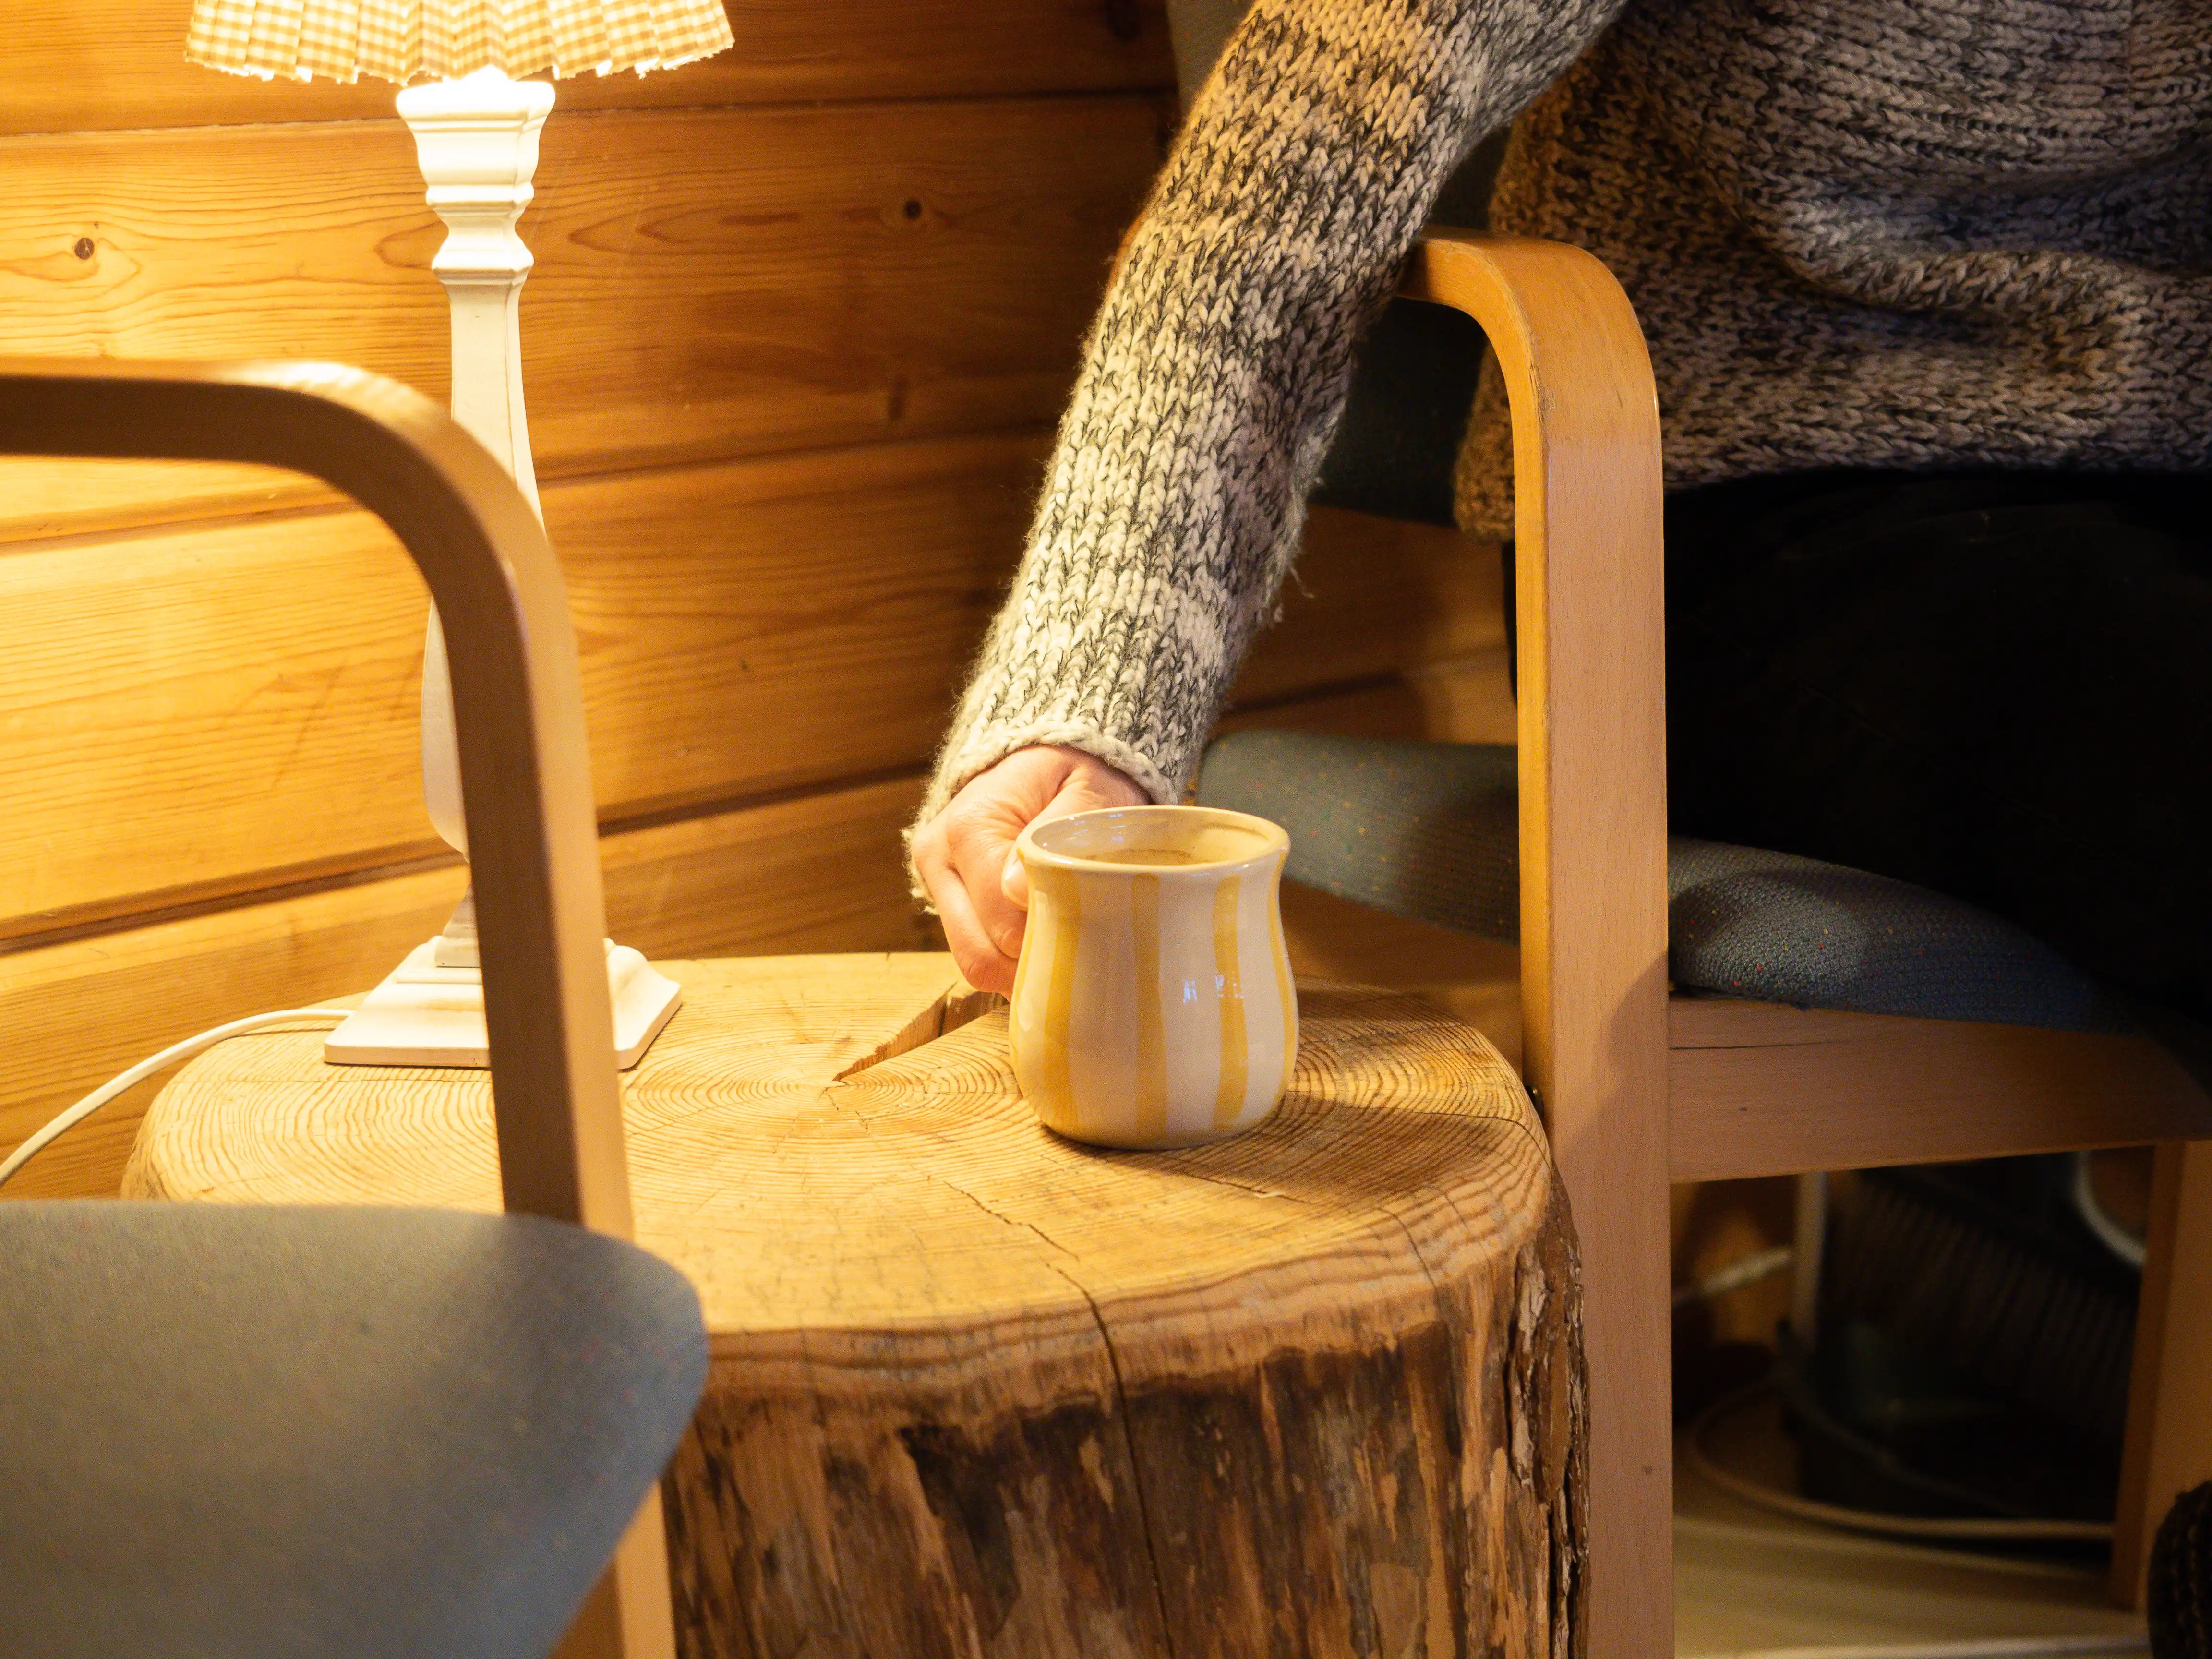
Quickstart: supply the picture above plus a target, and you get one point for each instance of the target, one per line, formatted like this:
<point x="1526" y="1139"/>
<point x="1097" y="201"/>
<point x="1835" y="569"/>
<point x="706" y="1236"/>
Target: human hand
<point x="965" y="855"/>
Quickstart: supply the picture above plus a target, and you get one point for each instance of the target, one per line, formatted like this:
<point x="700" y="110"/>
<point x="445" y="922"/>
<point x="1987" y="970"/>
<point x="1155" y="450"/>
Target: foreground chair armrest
<point x="519" y="708"/>
<point x="517" y="691"/>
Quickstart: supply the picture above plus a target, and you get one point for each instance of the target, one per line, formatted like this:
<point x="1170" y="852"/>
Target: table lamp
<point x="476" y="137"/>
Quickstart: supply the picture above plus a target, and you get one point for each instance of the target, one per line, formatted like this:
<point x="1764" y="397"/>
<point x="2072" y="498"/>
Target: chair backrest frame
<point x="518" y="698"/>
<point x="525" y="776"/>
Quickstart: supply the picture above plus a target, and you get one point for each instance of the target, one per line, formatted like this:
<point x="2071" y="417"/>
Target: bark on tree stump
<point x="978" y="1391"/>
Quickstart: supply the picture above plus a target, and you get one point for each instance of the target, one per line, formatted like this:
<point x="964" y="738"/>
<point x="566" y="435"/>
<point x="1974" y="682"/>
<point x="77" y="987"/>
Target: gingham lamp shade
<point x="402" y="40"/>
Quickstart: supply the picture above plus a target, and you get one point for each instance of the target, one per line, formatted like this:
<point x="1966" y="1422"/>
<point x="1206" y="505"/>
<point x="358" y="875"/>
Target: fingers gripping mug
<point x="1153" y="1005"/>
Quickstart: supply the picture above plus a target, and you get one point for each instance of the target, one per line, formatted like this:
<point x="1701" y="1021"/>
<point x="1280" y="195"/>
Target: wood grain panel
<point x="187" y="712"/>
<point x="765" y="624"/>
<point x="823" y="872"/>
<point x="181" y="708"/>
<point x="42" y="499"/>
<point x="1372" y="595"/>
<point x="708" y="282"/>
<point x="72" y="65"/>
<point x="229" y="706"/>
<point x="1459" y="699"/>
<point x="1474" y="979"/>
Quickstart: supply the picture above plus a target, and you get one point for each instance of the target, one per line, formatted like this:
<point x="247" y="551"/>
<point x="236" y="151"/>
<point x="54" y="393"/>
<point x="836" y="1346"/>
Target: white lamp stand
<point x="476" y="139"/>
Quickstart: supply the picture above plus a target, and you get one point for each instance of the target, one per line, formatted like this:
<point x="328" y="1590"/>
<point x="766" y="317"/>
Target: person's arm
<point x="1211" y="384"/>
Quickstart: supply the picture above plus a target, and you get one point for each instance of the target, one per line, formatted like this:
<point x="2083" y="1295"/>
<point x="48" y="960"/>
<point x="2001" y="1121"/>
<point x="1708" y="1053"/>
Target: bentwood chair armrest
<point x="517" y="691"/>
<point x="525" y="780"/>
<point x="1590" y="592"/>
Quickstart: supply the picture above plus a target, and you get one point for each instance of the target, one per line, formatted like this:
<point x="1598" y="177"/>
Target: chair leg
<point x="628" y="1614"/>
<point x="1617" y="1188"/>
<point x="2169" y="1435"/>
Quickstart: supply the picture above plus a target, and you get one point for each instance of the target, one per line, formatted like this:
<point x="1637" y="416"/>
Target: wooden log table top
<point x="977" y="1390"/>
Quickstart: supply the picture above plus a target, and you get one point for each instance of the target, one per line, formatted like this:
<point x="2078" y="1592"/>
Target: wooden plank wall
<point x="801" y="317"/>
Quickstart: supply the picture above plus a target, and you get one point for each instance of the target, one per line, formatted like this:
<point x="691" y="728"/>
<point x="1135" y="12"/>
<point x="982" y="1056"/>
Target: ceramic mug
<point x="1152" y="1004"/>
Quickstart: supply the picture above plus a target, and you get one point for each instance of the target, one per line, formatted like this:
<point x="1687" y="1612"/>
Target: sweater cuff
<point x="985" y="749"/>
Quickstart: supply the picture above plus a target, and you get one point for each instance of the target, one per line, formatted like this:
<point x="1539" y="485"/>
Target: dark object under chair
<point x="2181" y="1579"/>
<point x="1973" y="1346"/>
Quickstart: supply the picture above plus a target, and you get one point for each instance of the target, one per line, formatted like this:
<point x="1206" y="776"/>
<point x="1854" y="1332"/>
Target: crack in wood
<point x="962" y="1004"/>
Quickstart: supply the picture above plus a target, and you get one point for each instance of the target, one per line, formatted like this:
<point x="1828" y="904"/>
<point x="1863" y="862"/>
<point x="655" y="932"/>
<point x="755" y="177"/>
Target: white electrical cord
<point x="1751" y="1270"/>
<point x="146" y="1068"/>
<point x="2128" y="1247"/>
<point x="1933" y="1529"/>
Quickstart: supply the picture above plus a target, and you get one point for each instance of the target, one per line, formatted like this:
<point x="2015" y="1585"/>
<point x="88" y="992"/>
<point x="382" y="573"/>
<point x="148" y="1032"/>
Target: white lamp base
<point x="426" y="1015"/>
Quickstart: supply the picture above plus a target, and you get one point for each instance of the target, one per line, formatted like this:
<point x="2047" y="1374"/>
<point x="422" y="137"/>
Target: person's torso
<point x="1890" y="232"/>
<point x="1863" y="128"/>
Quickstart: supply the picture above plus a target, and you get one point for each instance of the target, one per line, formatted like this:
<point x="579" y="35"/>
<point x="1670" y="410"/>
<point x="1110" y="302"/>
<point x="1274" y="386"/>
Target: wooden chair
<point x="444" y="1464"/>
<point x="1641" y="1089"/>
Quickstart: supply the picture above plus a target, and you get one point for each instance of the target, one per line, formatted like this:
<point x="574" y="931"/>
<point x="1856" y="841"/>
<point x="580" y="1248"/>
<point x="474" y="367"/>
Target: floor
<point x="1748" y="1581"/>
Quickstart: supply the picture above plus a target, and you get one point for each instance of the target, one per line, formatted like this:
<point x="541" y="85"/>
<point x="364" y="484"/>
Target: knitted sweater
<point x="1877" y="232"/>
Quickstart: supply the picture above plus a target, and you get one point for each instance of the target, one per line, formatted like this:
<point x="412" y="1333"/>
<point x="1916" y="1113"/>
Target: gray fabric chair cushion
<point x="270" y="1431"/>
<point x="1429" y="830"/>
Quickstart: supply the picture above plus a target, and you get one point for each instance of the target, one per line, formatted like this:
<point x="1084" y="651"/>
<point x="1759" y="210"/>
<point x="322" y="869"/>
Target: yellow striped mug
<point x="1153" y="1005"/>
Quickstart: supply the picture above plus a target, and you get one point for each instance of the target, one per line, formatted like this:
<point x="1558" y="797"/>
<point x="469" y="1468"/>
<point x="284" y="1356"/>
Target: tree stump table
<point x="979" y="1391"/>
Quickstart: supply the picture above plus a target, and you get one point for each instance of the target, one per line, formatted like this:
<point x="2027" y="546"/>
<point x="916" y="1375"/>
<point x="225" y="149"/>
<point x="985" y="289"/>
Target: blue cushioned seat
<point x="1429" y="830"/>
<point x="279" y="1431"/>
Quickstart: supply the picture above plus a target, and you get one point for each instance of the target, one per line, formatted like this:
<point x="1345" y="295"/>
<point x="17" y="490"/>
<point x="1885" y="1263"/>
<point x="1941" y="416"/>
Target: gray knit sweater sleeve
<point x="1216" y="370"/>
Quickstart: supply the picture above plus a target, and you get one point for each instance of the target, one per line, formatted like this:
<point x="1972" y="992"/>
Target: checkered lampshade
<point x="402" y="40"/>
